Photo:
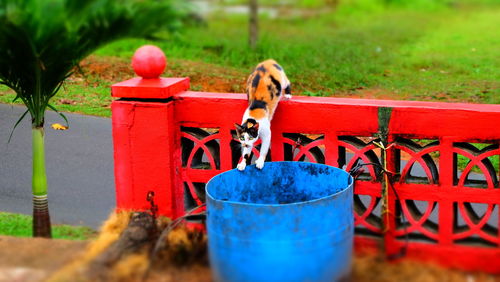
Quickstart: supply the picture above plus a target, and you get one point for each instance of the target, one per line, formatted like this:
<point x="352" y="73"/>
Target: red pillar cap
<point x="149" y="61"/>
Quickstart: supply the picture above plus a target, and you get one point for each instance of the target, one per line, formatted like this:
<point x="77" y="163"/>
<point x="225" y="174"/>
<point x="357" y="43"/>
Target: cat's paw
<point x="288" y="96"/>
<point x="241" y="166"/>
<point x="259" y="163"/>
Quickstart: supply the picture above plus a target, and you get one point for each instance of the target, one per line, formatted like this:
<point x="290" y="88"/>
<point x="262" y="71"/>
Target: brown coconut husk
<point x="123" y="252"/>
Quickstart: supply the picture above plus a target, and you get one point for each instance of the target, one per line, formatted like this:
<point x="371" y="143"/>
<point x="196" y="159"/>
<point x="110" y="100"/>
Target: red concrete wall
<point x="172" y="141"/>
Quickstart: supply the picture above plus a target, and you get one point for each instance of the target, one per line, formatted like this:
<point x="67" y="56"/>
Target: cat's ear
<point x="256" y="126"/>
<point x="239" y="128"/>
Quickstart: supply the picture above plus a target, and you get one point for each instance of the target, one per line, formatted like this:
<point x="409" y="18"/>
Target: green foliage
<point x="295" y="3"/>
<point x="41" y="41"/>
<point x="19" y="225"/>
<point x="87" y="100"/>
<point x="463" y="161"/>
<point x="458" y="58"/>
<point x="360" y="7"/>
<point x="448" y="54"/>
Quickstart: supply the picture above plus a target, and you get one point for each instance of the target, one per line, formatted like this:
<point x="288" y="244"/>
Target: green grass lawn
<point x="444" y="54"/>
<point x="19" y="225"/>
<point x="416" y="51"/>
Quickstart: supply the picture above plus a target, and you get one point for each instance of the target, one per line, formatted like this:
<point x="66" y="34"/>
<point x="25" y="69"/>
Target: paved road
<point x="79" y="165"/>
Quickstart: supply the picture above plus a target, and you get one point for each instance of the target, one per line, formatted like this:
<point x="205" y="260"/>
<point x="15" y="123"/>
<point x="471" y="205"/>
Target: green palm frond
<point x="41" y="41"/>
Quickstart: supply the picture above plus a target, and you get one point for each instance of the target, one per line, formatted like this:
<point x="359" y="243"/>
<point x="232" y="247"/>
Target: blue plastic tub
<point x="291" y="221"/>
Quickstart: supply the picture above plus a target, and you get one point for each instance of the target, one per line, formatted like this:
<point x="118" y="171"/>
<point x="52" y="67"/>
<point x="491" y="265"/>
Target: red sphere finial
<point x="149" y="61"/>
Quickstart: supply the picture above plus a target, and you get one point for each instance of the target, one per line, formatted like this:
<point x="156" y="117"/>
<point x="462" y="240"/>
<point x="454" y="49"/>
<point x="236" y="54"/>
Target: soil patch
<point x="203" y="76"/>
<point x="33" y="259"/>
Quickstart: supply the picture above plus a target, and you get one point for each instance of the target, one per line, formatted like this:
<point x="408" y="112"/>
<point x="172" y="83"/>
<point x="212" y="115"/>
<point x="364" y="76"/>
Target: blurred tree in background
<point x="253" y="23"/>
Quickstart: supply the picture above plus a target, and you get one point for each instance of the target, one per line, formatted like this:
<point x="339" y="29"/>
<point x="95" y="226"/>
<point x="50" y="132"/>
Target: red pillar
<point x="144" y="137"/>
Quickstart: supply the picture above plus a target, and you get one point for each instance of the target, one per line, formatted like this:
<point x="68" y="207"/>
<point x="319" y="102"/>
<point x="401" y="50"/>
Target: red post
<point x="446" y="216"/>
<point x="144" y="143"/>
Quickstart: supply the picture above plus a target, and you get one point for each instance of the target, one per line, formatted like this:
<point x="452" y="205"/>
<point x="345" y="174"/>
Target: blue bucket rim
<point x="351" y="183"/>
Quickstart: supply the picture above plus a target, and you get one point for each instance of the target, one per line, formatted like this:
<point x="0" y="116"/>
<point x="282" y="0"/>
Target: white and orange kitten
<point x="265" y="87"/>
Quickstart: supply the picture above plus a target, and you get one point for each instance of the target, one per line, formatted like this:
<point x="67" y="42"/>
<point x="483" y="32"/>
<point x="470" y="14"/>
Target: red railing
<point x="442" y="192"/>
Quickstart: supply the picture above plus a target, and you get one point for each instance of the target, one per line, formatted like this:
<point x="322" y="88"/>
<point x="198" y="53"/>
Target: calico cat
<point x="264" y="88"/>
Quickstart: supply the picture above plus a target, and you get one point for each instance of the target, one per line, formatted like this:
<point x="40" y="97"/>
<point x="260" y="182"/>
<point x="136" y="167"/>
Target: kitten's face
<point x="247" y="134"/>
<point x="247" y="140"/>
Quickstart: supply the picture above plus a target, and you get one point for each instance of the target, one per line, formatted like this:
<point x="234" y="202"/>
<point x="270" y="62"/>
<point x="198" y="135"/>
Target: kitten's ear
<point x="239" y="128"/>
<point x="256" y="126"/>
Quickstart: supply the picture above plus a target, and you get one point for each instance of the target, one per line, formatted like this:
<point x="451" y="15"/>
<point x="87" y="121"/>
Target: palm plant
<point x="41" y="43"/>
